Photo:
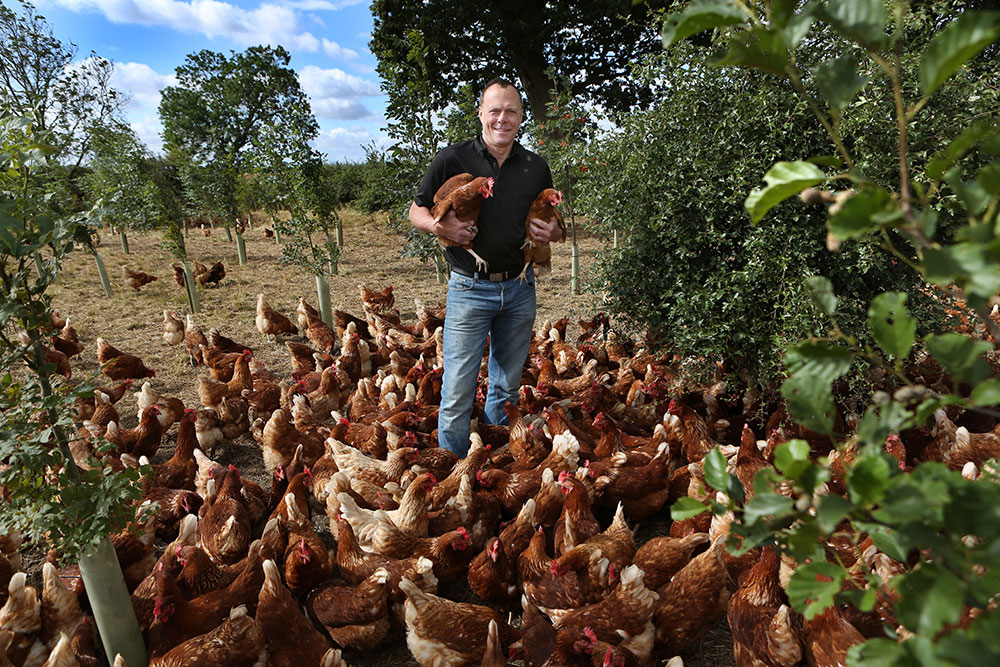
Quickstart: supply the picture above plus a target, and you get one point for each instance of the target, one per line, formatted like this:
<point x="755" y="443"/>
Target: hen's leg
<point x="481" y="264"/>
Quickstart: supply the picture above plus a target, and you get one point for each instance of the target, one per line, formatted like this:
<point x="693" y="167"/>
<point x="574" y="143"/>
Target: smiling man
<point x="493" y="304"/>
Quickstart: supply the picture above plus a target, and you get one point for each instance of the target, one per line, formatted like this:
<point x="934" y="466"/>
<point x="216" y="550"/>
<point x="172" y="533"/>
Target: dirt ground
<point x="133" y="322"/>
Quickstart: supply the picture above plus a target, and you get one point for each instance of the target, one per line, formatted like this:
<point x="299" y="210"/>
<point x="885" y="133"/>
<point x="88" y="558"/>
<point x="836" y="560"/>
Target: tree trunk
<point x="101" y="271"/>
<point x="39" y="265"/>
<point x="323" y="297"/>
<point x="229" y="234"/>
<point x="124" y="239"/>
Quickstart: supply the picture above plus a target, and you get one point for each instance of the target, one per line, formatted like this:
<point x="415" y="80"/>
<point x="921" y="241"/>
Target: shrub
<point x="690" y="266"/>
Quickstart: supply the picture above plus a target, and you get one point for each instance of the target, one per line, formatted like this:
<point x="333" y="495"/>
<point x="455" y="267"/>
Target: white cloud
<point x="334" y="93"/>
<point x="335" y="50"/>
<point x="143" y="82"/>
<point x="346" y="143"/>
<point x="322" y="5"/>
<point x="340" y="109"/>
<point x="323" y="83"/>
<point x="268" y="23"/>
<point x="148" y="128"/>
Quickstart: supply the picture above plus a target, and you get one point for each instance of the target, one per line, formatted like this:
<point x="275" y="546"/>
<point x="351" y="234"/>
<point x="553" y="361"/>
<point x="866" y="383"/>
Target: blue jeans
<point x="504" y="311"/>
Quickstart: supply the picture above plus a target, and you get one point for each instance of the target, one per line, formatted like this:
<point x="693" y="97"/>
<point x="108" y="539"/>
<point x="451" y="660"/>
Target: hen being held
<point x="463" y="193"/>
<point x="539" y="253"/>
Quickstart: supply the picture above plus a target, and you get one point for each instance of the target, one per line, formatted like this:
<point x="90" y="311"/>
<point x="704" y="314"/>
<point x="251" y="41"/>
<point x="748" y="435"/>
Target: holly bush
<point x="691" y="266"/>
<point x="935" y="210"/>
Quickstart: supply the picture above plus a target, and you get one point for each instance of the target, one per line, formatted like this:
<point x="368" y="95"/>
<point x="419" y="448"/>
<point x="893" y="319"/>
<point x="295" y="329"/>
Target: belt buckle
<point x="497" y="277"/>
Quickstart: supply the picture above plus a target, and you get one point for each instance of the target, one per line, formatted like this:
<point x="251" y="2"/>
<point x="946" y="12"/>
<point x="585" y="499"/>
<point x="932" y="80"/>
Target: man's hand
<point x="451" y="228"/>
<point x="542" y="231"/>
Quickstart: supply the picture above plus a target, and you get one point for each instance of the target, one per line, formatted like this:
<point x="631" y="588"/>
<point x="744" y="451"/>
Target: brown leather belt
<point x="492" y="277"/>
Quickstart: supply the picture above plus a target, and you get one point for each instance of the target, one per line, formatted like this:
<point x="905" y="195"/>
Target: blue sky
<point x="148" y="39"/>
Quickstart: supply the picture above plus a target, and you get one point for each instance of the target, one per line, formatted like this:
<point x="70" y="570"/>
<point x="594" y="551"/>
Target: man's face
<point x="500" y="113"/>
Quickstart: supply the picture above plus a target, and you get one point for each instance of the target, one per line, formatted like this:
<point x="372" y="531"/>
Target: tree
<point x="39" y="77"/>
<point x="593" y="43"/>
<point x="216" y="117"/>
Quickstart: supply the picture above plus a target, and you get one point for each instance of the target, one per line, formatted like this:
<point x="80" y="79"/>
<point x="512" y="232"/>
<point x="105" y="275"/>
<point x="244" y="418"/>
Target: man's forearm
<point x="422" y="218"/>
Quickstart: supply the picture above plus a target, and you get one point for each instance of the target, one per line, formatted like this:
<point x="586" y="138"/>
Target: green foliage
<point x="49" y="499"/>
<point x="71" y="513"/>
<point x="592" y="42"/>
<point x="689" y="266"/>
<point x="137" y="194"/>
<point x="67" y="97"/>
<point x="563" y="136"/>
<point x="936" y="211"/>
<point x="345" y="181"/>
<point x="229" y="116"/>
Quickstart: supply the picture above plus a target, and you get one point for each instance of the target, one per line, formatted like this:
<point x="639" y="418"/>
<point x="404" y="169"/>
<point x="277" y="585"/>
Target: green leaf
<point x="989" y="178"/>
<point x="978" y="132"/>
<point x="698" y="18"/>
<point x="973" y="196"/>
<point x="930" y="598"/>
<point x="813" y="367"/>
<point x="808" y="594"/>
<point x="810" y="401"/>
<point x="9" y="242"/>
<point x="986" y="393"/>
<point x="784" y="180"/>
<point x="867" y="479"/>
<point x="820" y="360"/>
<point x="714" y="466"/>
<point x="791" y="457"/>
<point x="831" y="161"/>
<point x="968" y="264"/>
<point x="821" y="292"/>
<point x="685" y="508"/>
<point x="864" y="600"/>
<point x="798" y="26"/>
<point x="954" y="46"/>
<point x="838" y="80"/>
<point x="881" y="420"/>
<point x="876" y="653"/>
<point x="767" y="504"/>
<point x="891" y="324"/>
<point x="760" y="48"/>
<point x="890" y="542"/>
<point x="830" y="511"/>
<point x="860" y="20"/>
<point x="861" y="214"/>
<point x="961" y="356"/>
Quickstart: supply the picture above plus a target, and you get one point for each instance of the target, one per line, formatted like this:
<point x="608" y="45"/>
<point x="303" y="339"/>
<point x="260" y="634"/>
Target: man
<point x="496" y="303"/>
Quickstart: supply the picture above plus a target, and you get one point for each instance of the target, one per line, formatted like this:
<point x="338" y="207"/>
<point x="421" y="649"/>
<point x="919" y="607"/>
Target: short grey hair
<point x="503" y="83"/>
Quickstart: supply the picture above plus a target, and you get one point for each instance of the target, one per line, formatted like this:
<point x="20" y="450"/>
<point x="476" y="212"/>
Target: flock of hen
<point x="539" y="517"/>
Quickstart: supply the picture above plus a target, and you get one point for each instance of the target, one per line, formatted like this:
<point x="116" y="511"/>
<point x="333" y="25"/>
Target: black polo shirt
<point x="501" y="221"/>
